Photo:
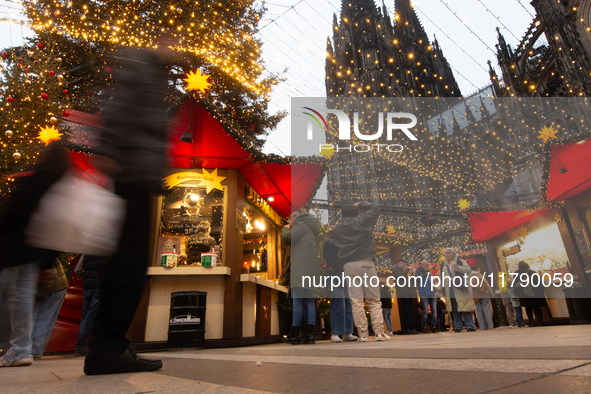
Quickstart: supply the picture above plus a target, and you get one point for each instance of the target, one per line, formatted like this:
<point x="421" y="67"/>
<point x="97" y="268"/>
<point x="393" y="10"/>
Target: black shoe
<point x="426" y="330"/>
<point x="308" y="338"/>
<point x="81" y="352"/>
<point x="127" y="362"/>
<point x="411" y="332"/>
<point x="434" y="330"/>
<point x="293" y="337"/>
<point x="456" y="330"/>
<point x="471" y="329"/>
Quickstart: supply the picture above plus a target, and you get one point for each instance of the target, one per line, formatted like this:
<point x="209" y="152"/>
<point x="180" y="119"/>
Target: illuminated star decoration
<point x="327" y="151"/>
<point x="197" y="81"/>
<point x="521" y="231"/>
<point x="558" y="217"/>
<point x="390" y="229"/>
<point x="211" y="180"/>
<point x="48" y="134"/>
<point x="463" y="204"/>
<point x="547" y="133"/>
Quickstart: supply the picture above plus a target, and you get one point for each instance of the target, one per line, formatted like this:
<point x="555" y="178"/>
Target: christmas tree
<point x="215" y="38"/>
<point x="34" y="96"/>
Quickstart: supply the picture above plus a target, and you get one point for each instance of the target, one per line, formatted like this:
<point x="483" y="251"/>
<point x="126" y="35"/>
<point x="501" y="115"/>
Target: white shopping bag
<point x="76" y="216"/>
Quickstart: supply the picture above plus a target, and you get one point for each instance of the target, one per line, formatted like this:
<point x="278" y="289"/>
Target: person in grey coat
<point x="302" y="235"/>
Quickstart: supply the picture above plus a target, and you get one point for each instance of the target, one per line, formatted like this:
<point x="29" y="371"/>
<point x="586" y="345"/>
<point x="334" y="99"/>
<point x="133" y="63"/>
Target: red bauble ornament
<point x="9" y="99"/>
<point x="108" y="70"/>
<point x="39" y="45"/>
<point x="20" y="59"/>
<point x="65" y="91"/>
<point x="26" y="70"/>
<point x="51" y="73"/>
<point x="5" y="54"/>
<point x="66" y="113"/>
<point x="252" y="127"/>
<point x="44" y="96"/>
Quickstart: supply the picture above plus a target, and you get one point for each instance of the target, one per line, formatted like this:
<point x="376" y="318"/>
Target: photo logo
<point x="344" y="123"/>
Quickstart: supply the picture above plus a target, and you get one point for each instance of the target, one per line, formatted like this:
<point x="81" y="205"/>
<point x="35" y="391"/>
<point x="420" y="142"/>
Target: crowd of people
<point x="349" y="252"/>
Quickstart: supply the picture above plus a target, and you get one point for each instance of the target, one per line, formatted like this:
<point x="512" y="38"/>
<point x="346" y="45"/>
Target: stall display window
<point x="191" y="224"/>
<point x="543" y="250"/>
<point x="255" y="244"/>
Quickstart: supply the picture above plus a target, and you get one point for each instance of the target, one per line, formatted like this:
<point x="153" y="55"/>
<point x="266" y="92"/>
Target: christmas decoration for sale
<point x="48" y="134"/>
<point x="197" y="81"/>
<point x="16" y="155"/>
<point x="8" y="133"/>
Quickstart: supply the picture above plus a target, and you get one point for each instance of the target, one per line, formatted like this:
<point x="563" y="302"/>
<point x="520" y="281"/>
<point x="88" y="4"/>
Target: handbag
<point x="76" y="216"/>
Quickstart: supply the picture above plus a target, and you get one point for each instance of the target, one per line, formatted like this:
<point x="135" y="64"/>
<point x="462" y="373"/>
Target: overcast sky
<point x="294" y="33"/>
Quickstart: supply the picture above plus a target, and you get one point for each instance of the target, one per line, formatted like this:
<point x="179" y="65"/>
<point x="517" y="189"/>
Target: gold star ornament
<point x="327" y="151"/>
<point x="463" y="204"/>
<point x="547" y="133"/>
<point x="197" y="81"/>
<point x="48" y="134"/>
<point x="390" y="229"/>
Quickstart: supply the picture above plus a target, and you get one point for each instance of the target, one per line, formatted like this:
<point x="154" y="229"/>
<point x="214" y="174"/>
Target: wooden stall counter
<point x="164" y="281"/>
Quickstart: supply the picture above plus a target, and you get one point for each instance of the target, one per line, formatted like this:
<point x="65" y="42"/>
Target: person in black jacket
<point x="341" y="313"/>
<point x="132" y="149"/>
<point x="532" y="302"/>
<point x="92" y="270"/>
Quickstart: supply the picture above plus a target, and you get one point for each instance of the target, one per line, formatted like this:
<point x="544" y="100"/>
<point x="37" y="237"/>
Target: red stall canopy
<point x="570" y="170"/>
<point x="290" y="184"/>
<point x="488" y="225"/>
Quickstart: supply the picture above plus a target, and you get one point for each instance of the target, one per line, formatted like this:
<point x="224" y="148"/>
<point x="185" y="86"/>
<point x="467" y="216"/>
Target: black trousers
<point x="529" y="310"/>
<point x="405" y="305"/>
<point x="125" y="276"/>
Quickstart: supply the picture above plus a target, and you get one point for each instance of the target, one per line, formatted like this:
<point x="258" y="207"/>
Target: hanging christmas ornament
<point x="53" y="119"/>
<point x="547" y="133"/>
<point x="9" y="99"/>
<point x="108" y="70"/>
<point x="252" y="127"/>
<point x="8" y="133"/>
<point x="197" y="81"/>
<point x="57" y="13"/>
<point x="20" y="59"/>
<point x="51" y="73"/>
<point x="27" y="70"/>
<point x="44" y="96"/>
<point x="39" y="45"/>
<point x="59" y="59"/>
<point x="66" y="113"/>
<point x="4" y="54"/>
<point x="16" y="155"/>
<point x="60" y="77"/>
<point x="48" y="134"/>
<point x="65" y="91"/>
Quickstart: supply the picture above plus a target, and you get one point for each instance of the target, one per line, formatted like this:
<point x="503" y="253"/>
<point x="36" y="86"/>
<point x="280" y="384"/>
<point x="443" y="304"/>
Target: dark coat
<point x="330" y="251"/>
<point x="14" y="215"/>
<point x="135" y="133"/>
<point x="93" y="271"/>
<point x="539" y="297"/>
<point x="354" y="235"/>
